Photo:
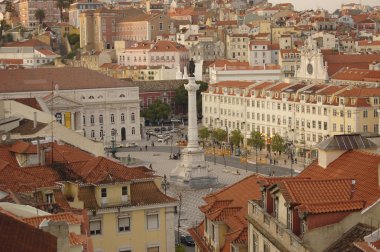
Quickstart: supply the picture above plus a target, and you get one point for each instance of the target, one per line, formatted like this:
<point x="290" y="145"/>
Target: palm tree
<point x="63" y="4"/>
<point x="257" y="142"/>
<point x="39" y="14"/>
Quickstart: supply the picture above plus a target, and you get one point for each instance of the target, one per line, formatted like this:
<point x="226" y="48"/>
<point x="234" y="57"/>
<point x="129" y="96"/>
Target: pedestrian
<point x="152" y="144"/>
<point x="140" y="148"/>
<point x="150" y="167"/>
<point x="146" y="147"/>
<point x="295" y="160"/>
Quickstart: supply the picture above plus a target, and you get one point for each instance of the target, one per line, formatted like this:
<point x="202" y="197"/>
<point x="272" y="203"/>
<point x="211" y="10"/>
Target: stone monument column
<point x="192" y="134"/>
<point x="193" y="171"/>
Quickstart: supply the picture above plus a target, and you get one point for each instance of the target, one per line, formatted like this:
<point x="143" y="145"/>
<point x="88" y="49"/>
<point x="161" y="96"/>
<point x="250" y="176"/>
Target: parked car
<point x="160" y="140"/>
<point x="130" y="145"/>
<point x="187" y="240"/>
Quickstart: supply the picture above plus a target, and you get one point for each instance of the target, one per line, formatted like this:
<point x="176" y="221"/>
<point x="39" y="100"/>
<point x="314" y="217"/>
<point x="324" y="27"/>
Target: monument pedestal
<point x="192" y="171"/>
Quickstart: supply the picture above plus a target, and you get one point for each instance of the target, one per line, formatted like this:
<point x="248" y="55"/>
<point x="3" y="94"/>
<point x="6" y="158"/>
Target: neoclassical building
<point x="83" y="100"/>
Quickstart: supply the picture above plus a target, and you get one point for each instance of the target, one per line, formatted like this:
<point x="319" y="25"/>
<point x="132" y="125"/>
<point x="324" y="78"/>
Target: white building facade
<point x="95" y="107"/>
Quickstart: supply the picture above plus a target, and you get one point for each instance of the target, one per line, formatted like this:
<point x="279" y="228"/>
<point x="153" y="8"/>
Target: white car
<point x="160" y="140"/>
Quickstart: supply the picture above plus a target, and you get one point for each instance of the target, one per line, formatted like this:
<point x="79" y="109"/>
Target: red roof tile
<point x="16" y="235"/>
<point x="70" y="218"/>
<point x="147" y="193"/>
<point x="359" y="165"/>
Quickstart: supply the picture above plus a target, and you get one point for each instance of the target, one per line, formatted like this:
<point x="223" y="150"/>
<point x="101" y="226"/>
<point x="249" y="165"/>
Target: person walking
<point x="146" y="147"/>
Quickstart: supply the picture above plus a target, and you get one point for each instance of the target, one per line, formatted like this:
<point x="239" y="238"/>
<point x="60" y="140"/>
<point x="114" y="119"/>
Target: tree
<point x="180" y="98"/>
<point x="257" y="142"/>
<point x="39" y="14"/>
<point x="156" y="111"/>
<point x="63" y="4"/>
<point x="204" y="134"/>
<point x="219" y="134"/>
<point x="236" y="137"/>
<point x="278" y="143"/>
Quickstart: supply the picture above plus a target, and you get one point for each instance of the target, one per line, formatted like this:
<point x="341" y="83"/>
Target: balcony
<point x="123" y="200"/>
<point x="272" y="229"/>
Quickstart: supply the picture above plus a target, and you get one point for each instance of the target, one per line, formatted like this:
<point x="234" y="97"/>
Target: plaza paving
<point x="158" y="157"/>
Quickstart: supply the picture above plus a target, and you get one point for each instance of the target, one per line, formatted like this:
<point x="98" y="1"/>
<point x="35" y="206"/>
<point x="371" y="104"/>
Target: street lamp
<point x="290" y="152"/>
<point x="165" y="184"/>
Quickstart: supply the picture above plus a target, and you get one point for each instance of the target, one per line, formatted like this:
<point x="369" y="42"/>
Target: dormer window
<point x="276" y="95"/>
<point x="49" y="198"/>
<point x="267" y="94"/>
<point x="329" y="99"/>
<point x="283" y="96"/>
<point x="319" y="99"/>
<point x="302" y="97"/>
<point x="341" y="101"/>
<point x="375" y="101"/>
<point x="353" y="101"/>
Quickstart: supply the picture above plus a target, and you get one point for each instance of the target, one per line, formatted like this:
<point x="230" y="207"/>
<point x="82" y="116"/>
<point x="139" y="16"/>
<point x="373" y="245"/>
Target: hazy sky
<point x="330" y="5"/>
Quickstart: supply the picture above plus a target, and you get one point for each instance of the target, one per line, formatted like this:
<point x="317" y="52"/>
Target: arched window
<point x="92" y="119"/>
<point x="83" y="97"/>
<point x="133" y="131"/>
<point x="91" y="97"/>
<point x="101" y="119"/>
<point x="112" y="118"/>
<point x="84" y="120"/>
<point x="122" y="117"/>
<point x="122" y="95"/>
<point x="133" y="117"/>
<point x="92" y="133"/>
<point x="100" y="97"/>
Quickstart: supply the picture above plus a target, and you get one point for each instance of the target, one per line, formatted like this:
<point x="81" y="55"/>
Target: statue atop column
<point x="191" y="68"/>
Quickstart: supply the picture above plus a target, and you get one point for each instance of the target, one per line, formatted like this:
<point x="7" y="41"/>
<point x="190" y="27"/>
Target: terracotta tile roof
<point x="140" y="46"/>
<point x="77" y="240"/>
<point x="355" y="74"/>
<point x="87" y="195"/>
<point x="101" y="170"/>
<point x="168" y="46"/>
<point x="330" y="90"/>
<point x="147" y="193"/>
<point x="279" y="87"/>
<point x="16" y="235"/>
<point x="346" y="166"/>
<point x="330" y="207"/>
<point x="360" y="92"/>
<point x="68" y="78"/>
<point x="198" y="234"/>
<point x="360" y="61"/>
<point x="22" y="147"/>
<point x="12" y="61"/>
<point x="47" y="52"/>
<point x="27" y="43"/>
<point x="31" y="102"/>
<point x="230" y="204"/>
<point x="263" y="85"/>
<point x="303" y="191"/>
<point x="68" y="217"/>
<point x="27" y="127"/>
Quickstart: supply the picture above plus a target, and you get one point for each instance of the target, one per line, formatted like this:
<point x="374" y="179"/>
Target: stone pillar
<point x="192" y="88"/>
<point x="73" y="120"/>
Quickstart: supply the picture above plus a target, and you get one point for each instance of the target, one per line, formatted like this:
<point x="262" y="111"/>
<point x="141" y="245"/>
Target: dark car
<point x="187" y="240"/>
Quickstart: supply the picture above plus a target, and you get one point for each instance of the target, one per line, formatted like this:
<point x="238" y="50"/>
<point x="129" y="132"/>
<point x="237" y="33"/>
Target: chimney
<point x="35" y="120"/>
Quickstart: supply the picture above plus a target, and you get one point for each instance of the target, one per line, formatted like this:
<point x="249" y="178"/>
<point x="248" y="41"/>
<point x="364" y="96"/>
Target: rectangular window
<point x="365" y="114"/>
<point x="49" y="198"/>
<point x="365" y="128"/>
<point x="152" y="221"/>
<point x="124" y="190"/>
<point x="124" y="224"/>
<point x="104" y="192"/>
<point x="95" y="227"/>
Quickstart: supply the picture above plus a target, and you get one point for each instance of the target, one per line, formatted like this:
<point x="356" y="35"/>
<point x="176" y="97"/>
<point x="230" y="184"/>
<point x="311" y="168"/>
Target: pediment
<point x="59" y="101"/>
